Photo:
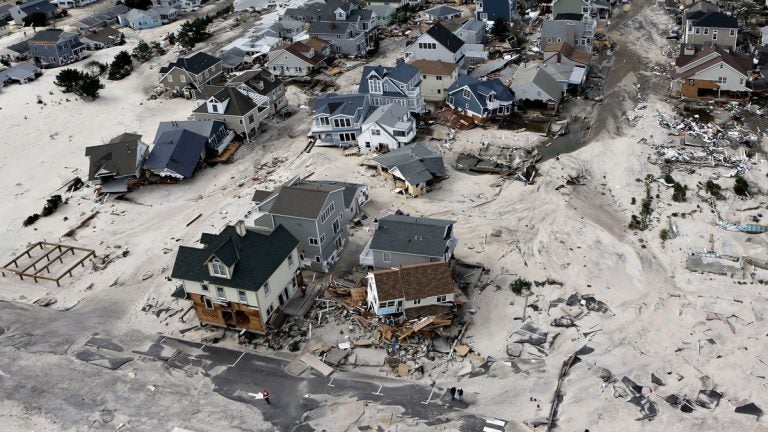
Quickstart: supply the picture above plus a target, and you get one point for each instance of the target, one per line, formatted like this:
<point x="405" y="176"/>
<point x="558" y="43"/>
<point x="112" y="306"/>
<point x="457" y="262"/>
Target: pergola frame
<point x="44" y="272"/>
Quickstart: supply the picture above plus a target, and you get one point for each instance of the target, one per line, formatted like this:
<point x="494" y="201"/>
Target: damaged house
<point x="415" y="291"/>
<point x="313" y="212"/>
<point x="481" y="100"/>
<point x="437" y="43"/>
<point x="298" y="59"/>
<point x="436" y="78"/>
<point x="339" y="118"/>
<point x="400" y="84"/>
<point x="235" y="109"/>
<point x="114" y="165"/>
<point x="388" y="128"/>
<point x="188" y="75"/>
<point x="413" y="169"/>
<point x="349" y="29"/>
<point x="712" y="73"/>
<point x="216" y="132"/>
<point x="400" y="240"/>
<point x="260" y="84"/>
<point x="175" y="155"/>
<point x="536" y="89"/>
<point x="240" y="277"/>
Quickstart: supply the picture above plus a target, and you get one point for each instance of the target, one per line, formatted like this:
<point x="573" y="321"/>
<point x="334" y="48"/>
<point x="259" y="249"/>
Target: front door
<point x="283" y="296"/>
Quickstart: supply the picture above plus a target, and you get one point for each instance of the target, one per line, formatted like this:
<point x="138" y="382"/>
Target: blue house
<point x="400" y="84"/>
<point x="140" y="19"/>
<point x="489" y="10"/>
<point x="482" y="100"/>
<point x="339" y="118"/>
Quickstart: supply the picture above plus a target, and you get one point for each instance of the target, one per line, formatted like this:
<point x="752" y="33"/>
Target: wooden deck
<point x="226" y="155"/>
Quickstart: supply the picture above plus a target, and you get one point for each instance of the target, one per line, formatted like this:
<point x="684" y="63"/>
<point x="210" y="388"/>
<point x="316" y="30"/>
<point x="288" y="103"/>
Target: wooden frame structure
<point x="51" y="259"/>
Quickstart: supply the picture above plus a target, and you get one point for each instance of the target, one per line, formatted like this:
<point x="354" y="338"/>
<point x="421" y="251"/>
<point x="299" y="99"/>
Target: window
<point x="208" y="303"/>
<point x="327" y="213"/>
<point x="340" y="123"/>
<point x="387" y="257"/>
<point x="374" y="86"/>
<point x="733" y="32"/>
<point x="439" y="77"/>
<point x="270" y="309"/>
<point x="220" y="293"/>
<point x="218" y="269"/>
<point x="317" y="258"/>
<point x="714" y="34"/>
<point x="336" y="225"/>
<point x="170" y="78"/>
<point x="417" y="301"/>
<point x="183" y="78"/>
<point x="265" y="287"/>
<point x="706" y="31"/>
<point x="250" y="118"/>
<point x="339" y="242"/>
<point x="399" y="133"/>
<point x="722" y="80"/>
<point x="741" y="81"/>
<point x="698" y="30"/>
<point x="324" y="121"/>
<point x="313" y="241"/>
<point x="466" y="93"/>
<point x="441" y="299"/>
<point x="322" y="238"/>
<point x="438" y="91"/>
<point x="290" y="260"/>
<point x="375" y="132"/>
<point x="243" y="298"/>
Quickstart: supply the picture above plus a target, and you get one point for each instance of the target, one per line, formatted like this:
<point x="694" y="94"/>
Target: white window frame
<point x="265" y="287"/>
<point x="441" y="298"/>
<point x="387" y="257"/>
<point x="242" y="296"/>
<point x="313" y="241"/>
<point x="221" y="294"/>
<point x="208" y="303"/>
<point x="374" y="85"/>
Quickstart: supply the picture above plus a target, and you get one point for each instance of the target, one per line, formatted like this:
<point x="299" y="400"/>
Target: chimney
<point x="375" y="224"/>
<point x="240" y="228"/>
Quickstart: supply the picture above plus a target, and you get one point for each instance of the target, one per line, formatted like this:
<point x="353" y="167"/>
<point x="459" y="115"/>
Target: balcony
<point x="366" y="258"/>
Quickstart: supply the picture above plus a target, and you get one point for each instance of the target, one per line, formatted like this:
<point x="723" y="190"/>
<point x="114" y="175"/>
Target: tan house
<point x="298" y="58"/>
<point x="240" y="277"/>
<point x="565" y="53"/>
<point x="711" y="73"/>
<point x="436" y="77"/>
<point x="187" y="76"/>
<point x="229" y="105"/>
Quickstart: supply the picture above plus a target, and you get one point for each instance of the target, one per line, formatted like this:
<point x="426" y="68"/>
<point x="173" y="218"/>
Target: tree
<point x="36" y="19"/>
<point x="89" y="86"/>
<point x="121" y="66"/>
<point x="192" y="32"/>
<point x="741" y="187"/>
<point x="138" y="4"/>
<point x="97" y="68"/>
<point x="403" y="14"/>
<point x="68" y="79"/>
<point x="678" y="192"/>
<point x="142" y="52"/>
<point x="501" y="29"/>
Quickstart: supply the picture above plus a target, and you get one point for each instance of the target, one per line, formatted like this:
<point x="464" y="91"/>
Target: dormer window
<point x="491" y="97"/>
<point x="218" y="269"/>
<point x="374" y="85"/>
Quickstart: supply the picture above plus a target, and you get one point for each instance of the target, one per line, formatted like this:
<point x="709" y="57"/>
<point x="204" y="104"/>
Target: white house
<point x="389" y="127"/>
<point x="438" y="43"/>
<point x="415" y="290"/>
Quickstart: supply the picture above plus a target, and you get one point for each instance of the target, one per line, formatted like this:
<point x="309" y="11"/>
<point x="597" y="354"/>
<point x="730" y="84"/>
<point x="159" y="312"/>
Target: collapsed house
<point x="417" y="290"/>
<point x="400" y="240"/>
<point x="240" y="278"/>
<point x="413" y="169"/>
<point x="116" y="165"/>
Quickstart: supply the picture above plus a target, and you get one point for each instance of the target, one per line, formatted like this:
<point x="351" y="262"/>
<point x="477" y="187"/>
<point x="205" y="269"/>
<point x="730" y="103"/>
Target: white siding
<point x="723" y="70"/>
<point x="413" y="52"/>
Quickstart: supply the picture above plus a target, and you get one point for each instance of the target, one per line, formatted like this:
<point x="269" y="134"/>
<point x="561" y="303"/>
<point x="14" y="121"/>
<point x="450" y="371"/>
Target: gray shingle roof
<point x="402" y="73"/>
<point x="443" y="11"/>
<point x="416" y="163"/>
<point x="712" y="19"/>
<point x="329" y="27"/>
<point x="445" y="38"/>
<point x="177" y="150"/>
<point x="260" y="255"/>
<point x="335" y="104"/>
<point x="388" y="115"/>
<point x="304" y="200"/>
<point x="196" y="64"/>
<point x="484" y="88"/>
<point x="350" y="189"/>
<point x="51" y="35"/>
<point x="206" y="128"/>
<point x="473" y="25"/>
<point x="118" y="156"/>
<point x="252" y="78"/>
<point x="412" y="235"/>
<point x="538" y="76"/>
<point x="238" y="104"/>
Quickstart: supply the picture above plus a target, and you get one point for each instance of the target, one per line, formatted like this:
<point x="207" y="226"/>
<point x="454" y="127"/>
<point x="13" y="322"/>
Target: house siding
<point x="413" y="52"/>
<point x="58" y="54"/>
<point x="176" y="84"/>
<point x="434" y="89"/>
<point x="570" y="6"/>
<point x="283" y="63"/>
<point x="400" y="259"/>
<point x="246" y="128"/>
<point x="724" y="38"/>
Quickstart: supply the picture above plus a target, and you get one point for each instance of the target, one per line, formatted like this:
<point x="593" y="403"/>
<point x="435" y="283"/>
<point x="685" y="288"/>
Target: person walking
<point x="303" y="290"/>
<point x="265" y="393"/>
<point x="453" y="393"/>
<point x="461" y="394"/>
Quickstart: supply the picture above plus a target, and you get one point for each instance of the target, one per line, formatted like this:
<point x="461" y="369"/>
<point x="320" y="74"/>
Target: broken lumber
<point x="85" y="221"/>
<point x="194" y="220"/>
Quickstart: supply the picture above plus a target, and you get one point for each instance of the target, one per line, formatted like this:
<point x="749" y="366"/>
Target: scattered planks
<point x="71" y="233"/>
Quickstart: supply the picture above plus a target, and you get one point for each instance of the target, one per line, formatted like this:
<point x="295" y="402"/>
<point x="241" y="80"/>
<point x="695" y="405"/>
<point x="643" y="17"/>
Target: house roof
<point x="339" y="104"/>
<point x="362" y="14"/>
<point x="567" y="30"/>
<point x="402" y="73"/>
<point x="118" y="156"/>
<point x="20" y="47"/>
<point x="302" y="50"/>
<point x="415" y="163"/>
<point x="238" y="104"/>
<point x="195" y="64"/>
<point x="252" y="78"/>
<point x="329" y="27"/>
<point x="51" y="36"/>
<point x="206" y="128"/>
<point x="712" y="19"/>
<point x="566" y="49"/>
<point x="259" y="255"/>
<point x="473" y="25"/>
<point x="178" y="150"/>
<point x="412" y="235"/>
<point x="19" y="72"/>
<point x="41" y="6"/>
<point x="416" y="281"/>
<point x="260" y="196"/>
<point x="303" y="200"/>
<point x="716" y="55"/>
<point x="484" y="88"/>
<point x="317" y="44"/>
<point x="390" y="115"/>
<point x="443" y="11"/>
<point x="434" y="67"/>
<point x="537" y="75"/>
<point x="350" y="189"/>
<point x="105" y="36"/>
<point x="445" y="38"/>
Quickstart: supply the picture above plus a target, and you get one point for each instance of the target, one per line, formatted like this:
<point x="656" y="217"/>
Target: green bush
<point x="741" y="187"/>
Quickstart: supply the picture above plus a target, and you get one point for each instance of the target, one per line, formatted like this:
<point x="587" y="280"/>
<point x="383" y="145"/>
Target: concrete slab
<point x="99" y="359"/>
<point x="336" y="356"/>
<point x="158" y="351"/>
<point x="103" y="343"/>
<point x="369" y="357"/>
<point x="316" y="364"/>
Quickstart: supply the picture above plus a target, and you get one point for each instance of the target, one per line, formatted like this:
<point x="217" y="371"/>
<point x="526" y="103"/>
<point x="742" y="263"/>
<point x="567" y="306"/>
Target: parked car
<point x="674" y="34"/>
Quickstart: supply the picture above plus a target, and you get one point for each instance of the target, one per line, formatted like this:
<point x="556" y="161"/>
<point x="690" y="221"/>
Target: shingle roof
<point x="20" y="47"/>
<point x="43" y="7"/>
<point x="566" y="49"/>
<point x="105" y="36"/>
<point x="252" y="78"/>
<point x="51" y="35"/>
<point x="388" y="115"/>
<point x="712" y="19"/>
<point x="443" y="11"/>
<point x="206" y="128"/>
<point x="177" y="150"/>
<point x="304" y="200"/>
<point x="484" y="88"/>
<point x="260" y="255"/>
<point x="196" y="64"/>
<point x="445" y="38"/>
<point x="743" y="65"/>
<point x="402" y="73"/>
<point x="412" y="235"/>
<point x="301" y="51"/>
<point x="473" y="25"/>
<point x="416" y="163"/>
<point x="329" y="27"/>
<point x="417" y="281"/>
<point x="434" y="67"/>
<point x="350" y="189"/>
<point x="118" y="156"/>
<point x="538" y="76"/>
<point x="335" y="104"/>
<point x="238" y="104"/>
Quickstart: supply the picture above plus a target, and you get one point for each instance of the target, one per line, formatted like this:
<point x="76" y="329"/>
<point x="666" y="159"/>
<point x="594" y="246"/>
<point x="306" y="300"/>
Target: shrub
<point x="520" y="285"/>
<point x="741" y="187"/>
<point x="678" y="193"/>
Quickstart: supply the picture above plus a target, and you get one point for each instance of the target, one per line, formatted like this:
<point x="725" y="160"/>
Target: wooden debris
<point x="403" y="370"/>
<point x="461" y="350"/>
